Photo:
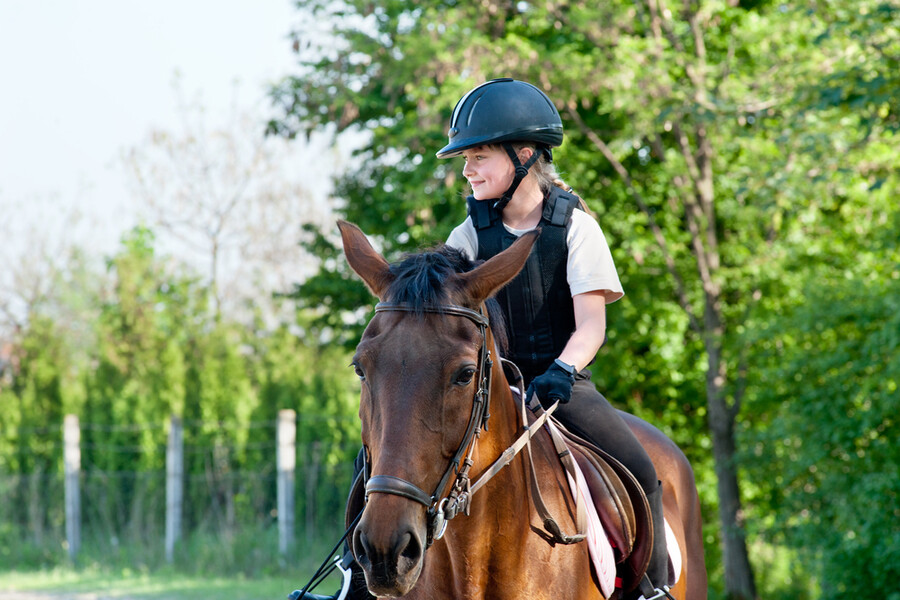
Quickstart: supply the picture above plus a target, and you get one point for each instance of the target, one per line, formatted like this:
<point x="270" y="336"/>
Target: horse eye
<point x="465" y="376"/>
<point x="359" y="372"/>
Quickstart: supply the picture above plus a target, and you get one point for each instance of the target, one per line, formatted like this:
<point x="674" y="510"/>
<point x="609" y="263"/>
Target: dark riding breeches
<point x="591" y="416"/>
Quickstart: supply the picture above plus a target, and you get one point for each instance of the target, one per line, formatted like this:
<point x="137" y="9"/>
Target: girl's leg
<point x="592" y="417"/>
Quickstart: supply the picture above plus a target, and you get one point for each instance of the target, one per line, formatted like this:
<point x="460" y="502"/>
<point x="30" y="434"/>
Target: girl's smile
<point x="488" y="171"/>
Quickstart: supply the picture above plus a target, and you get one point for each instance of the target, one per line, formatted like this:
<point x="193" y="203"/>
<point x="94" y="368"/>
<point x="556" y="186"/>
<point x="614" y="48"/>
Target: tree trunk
<point x="739" y="582"/>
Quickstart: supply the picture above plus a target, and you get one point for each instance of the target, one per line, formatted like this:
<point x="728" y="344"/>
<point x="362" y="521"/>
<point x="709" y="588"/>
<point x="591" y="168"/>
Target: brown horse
<point x="427" y="370"/>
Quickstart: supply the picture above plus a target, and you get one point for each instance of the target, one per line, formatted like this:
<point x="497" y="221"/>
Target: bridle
<point x="441" y="509"/>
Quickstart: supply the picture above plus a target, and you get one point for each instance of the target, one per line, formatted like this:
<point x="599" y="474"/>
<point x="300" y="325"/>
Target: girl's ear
<point x="525" y="153"/>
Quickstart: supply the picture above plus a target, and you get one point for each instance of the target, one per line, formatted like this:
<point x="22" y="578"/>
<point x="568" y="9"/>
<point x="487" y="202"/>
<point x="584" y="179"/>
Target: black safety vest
<point x="537" y="304"/>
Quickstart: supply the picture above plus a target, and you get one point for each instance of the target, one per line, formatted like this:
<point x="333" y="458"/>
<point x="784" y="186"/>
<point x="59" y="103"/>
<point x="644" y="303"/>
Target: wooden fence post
<point x="312" y="462"/>
<point x="72" y="469"/>
<point x="174" y="486"/>
<point x="286" y="454"/>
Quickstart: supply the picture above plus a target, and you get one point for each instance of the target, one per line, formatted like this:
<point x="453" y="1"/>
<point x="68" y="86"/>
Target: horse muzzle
<point x="389" y="545"/>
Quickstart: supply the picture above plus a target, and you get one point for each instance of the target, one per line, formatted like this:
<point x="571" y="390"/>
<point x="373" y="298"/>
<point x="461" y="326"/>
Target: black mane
<point x="420" y="281"/>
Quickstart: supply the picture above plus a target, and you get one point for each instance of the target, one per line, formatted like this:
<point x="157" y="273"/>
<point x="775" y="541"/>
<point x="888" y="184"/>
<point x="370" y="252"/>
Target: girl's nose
<point x="466" y="170"/>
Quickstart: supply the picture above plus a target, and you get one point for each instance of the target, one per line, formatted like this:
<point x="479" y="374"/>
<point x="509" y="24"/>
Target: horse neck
<point x="506" y="418"/>
<point x="509" y="486"/>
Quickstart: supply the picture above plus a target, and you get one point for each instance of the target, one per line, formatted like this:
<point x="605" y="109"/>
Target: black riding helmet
<point x="503" y="111"/>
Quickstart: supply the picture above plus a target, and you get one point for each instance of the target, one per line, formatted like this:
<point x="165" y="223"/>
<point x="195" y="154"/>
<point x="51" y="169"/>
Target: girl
<point x="556" y="307"/>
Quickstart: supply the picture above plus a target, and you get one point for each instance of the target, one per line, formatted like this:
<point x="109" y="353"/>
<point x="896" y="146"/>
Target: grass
<point x="244" y="566"/>
<point x="150" y="586"/>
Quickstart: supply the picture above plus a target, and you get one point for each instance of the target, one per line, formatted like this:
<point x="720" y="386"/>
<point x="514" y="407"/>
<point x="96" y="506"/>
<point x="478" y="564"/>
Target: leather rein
<point x="442" y="509"/>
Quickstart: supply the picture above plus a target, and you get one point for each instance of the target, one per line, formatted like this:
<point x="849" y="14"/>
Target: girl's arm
<point x="590" y="329"/>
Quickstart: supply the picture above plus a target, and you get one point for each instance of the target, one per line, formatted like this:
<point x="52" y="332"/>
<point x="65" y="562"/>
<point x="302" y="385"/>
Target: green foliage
<point x="156" y="350"/>
<point x="822" y="447"/>
<point x="723" y="147"/>
<point x="41" y="392"/>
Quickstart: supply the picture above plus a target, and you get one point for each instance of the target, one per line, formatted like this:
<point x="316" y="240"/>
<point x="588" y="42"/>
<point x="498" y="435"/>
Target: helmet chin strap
<point x="521" y="173"/>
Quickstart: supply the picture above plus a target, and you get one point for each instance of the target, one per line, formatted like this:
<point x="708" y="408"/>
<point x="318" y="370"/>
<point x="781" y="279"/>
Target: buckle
<point x="659" y="593"/>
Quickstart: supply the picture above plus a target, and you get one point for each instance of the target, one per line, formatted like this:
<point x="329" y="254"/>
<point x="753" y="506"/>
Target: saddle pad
<point x="674" y="551"/>
<point x="632" y="568"/>
<point x="600" y="549"/>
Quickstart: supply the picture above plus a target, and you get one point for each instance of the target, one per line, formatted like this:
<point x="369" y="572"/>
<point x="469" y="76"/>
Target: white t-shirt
<point x="590" y="265"/>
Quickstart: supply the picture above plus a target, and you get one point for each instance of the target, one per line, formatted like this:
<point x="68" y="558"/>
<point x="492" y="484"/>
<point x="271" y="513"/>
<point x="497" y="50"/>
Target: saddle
<point x="620" y="503"/>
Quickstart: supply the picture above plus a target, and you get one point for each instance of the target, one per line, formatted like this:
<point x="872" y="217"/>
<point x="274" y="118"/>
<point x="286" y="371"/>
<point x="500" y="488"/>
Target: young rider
<point x="556" y="307"/>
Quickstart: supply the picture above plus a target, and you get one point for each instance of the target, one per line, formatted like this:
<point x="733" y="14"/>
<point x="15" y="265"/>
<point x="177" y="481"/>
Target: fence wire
<point x="230" y="487"/>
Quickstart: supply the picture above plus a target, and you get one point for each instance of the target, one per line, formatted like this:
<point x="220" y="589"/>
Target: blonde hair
<point x="547" y="176"/>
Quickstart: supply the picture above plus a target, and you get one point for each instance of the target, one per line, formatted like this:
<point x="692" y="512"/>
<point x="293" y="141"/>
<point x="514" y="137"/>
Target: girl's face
<point x="488" y="170"/>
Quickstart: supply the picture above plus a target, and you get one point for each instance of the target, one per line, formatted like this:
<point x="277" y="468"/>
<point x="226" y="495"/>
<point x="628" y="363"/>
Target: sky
<point x="83" y="81"/>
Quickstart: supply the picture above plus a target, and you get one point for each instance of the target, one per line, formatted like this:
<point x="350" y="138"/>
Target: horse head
<point x="421" y="363"/>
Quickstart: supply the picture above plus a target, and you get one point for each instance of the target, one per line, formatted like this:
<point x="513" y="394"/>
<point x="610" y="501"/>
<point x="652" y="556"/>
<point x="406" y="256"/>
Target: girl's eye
<point x="465" y="376"/>
<point x="359" y="372"/>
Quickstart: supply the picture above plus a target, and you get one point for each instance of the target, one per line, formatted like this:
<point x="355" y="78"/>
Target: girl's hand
<point x="554" y="385"/>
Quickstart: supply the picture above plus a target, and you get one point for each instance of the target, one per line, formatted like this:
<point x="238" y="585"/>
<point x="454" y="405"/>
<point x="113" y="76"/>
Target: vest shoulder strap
<point x="557" y="210"/>
<point x="482" y="212"/>
<point x="559" y="207"/>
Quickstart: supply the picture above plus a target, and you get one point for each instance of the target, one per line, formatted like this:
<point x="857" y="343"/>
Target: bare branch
<point x="224" y="197"/>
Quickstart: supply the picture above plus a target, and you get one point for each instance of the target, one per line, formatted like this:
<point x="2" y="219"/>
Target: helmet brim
<point x="548" y="136"/>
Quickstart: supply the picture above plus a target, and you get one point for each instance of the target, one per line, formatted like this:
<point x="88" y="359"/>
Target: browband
<point x="442" y="309"/>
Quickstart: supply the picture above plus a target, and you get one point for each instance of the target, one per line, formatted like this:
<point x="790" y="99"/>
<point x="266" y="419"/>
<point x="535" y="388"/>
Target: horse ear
<point x="484" y="281"/>
<point x="363" y="259"/>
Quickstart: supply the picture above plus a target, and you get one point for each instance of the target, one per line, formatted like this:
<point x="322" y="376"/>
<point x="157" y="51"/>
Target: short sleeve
<point x="465" y="238"/>
<point x="590" y="265"/>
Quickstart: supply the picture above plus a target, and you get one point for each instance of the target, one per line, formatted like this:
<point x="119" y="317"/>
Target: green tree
<point x="34" y="403"/>
<point x="136" y="383"/>
<point x="821" y="448"/>
<point x="823" y="445"/>
<point x="40" y="370"/>
<point x="296" y="372"/>
<point x="695" y="132"/>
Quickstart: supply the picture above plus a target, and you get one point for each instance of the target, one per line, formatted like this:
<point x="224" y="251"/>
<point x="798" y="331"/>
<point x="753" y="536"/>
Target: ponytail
<point x="546" y="175"/>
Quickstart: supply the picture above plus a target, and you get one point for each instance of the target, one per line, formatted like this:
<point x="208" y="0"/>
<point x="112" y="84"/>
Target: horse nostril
<point x="413" y="549"/>
<point x="361" y="548"/>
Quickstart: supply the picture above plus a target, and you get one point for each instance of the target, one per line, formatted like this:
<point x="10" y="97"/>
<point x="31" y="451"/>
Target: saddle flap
<point x="631" y="495"/>
<point x="607" y="491"/>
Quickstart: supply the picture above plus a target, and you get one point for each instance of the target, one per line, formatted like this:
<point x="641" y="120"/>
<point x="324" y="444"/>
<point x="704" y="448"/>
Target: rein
<point x="441" y="510"/>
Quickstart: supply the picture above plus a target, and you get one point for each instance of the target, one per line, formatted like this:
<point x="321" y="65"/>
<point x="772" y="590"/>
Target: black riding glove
<point x="555" y="384"/>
